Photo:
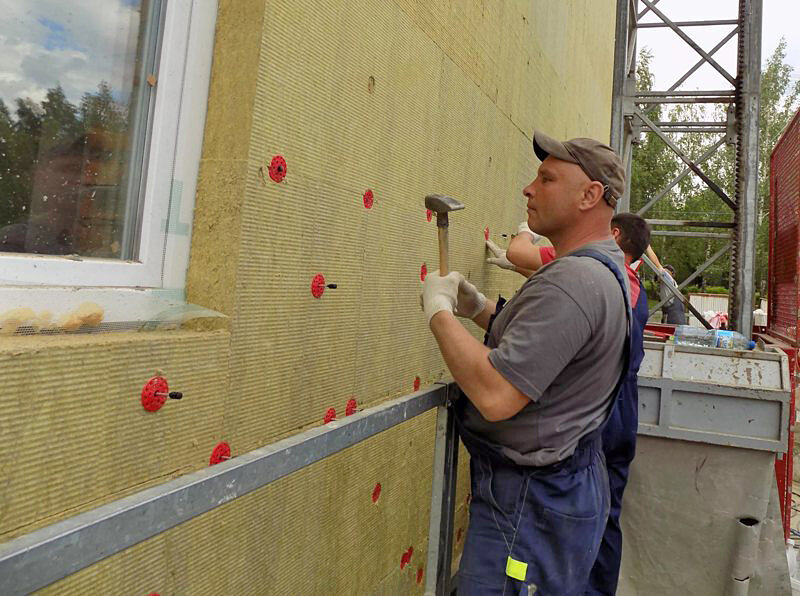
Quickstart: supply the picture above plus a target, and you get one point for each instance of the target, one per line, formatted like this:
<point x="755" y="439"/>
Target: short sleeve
<point x="545" y="332"/>
<point x="547" y="254"/>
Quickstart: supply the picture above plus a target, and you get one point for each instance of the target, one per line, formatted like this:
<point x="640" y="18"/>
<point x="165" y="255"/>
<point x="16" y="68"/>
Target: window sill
<point x="30" y="310"/>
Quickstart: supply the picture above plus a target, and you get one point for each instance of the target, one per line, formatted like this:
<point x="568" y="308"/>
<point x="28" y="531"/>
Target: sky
<point x="672" y="56"/>
<point x="77" y="43"/>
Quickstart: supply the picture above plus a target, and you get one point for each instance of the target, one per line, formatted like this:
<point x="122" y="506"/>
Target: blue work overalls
<point x="536" y="530"/>
<point x="619" y="447"/>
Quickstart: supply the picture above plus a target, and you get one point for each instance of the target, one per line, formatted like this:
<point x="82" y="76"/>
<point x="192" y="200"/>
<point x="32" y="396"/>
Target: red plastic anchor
<point x="220" y="453"/>
<point x="277" y="168"/>
<point x="154" y="393"/>
<point x="369" y="198"/>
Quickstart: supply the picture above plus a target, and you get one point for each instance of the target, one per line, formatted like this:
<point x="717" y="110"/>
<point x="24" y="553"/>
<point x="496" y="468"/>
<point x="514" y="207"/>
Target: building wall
<point x="404" y="98"/>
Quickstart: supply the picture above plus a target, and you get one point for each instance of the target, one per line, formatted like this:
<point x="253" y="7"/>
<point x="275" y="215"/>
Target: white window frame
<point x="172" y="164"/>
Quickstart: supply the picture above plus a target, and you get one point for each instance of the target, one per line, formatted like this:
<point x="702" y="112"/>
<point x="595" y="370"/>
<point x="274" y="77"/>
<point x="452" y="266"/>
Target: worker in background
<point x="632" y="233"/>
<point x="672" y="312"/>
<point x="536" y="397"/>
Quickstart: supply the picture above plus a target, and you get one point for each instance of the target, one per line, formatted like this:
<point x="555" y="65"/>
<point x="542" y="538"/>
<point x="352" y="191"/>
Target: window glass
<point x="74" y="108"/>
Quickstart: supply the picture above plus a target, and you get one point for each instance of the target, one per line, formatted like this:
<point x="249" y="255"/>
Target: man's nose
<point x="528" y="191"/>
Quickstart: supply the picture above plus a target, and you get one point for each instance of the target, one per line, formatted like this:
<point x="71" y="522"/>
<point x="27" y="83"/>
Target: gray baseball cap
<point x="599" y="161"/>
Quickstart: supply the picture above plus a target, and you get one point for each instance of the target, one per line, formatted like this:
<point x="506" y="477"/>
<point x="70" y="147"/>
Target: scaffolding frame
<point x="741" y="129"/>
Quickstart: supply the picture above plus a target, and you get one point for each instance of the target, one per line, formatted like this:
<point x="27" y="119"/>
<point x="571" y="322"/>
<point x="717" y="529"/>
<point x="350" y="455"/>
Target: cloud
<point x="76" y="44"/>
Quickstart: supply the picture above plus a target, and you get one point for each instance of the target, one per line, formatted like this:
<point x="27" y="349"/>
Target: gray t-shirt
<point x="560" y="341"/>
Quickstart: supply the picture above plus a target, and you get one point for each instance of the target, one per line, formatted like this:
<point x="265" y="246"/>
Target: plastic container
<point x="732" y="340"/>
<point x="686" y="335"/>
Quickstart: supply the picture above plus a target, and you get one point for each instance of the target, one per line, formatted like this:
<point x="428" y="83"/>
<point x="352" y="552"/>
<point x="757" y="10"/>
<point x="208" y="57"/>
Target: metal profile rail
<point x="38" y="559"/>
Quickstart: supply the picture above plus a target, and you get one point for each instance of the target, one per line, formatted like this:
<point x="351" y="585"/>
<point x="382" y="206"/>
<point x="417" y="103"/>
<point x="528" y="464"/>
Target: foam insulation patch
<point x="80" y="435"/>
<point x="316" y="531"/>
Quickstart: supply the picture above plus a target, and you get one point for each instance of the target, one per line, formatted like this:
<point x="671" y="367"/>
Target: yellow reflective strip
<point x="516" y="569"/>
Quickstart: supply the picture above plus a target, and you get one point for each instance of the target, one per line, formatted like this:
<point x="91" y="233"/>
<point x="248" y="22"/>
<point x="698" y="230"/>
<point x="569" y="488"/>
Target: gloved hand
<point x="525" y="229"/>
<point x="440" y="293"/>
<point x="498" y="257"/>
<point x="470" y="301"/>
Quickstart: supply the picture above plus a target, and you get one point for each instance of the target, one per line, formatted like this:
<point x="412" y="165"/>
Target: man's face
<point x="554" y="196"/>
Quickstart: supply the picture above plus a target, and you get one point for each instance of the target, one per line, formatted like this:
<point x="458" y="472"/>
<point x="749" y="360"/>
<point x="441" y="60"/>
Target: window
<point x="102" y="109"/>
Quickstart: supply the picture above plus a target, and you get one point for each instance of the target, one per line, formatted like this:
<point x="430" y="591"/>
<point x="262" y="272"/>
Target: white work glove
<point x="470" y="301"/>
<point x="498" y="257"/>
<point x="525" y="229"/>
<point x="440" y="293"/>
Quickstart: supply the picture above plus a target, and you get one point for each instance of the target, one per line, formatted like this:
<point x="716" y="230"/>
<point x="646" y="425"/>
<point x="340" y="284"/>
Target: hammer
<point x="442" y="205"/>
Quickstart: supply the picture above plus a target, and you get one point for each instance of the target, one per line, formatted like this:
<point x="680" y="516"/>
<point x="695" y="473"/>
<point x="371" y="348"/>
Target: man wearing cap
<point x="537" y="396"/>
<point x="632" y="233"/>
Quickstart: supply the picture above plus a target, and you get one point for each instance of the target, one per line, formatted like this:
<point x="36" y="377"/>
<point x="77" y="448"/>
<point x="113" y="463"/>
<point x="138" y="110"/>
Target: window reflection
<point x="69" y="95"/>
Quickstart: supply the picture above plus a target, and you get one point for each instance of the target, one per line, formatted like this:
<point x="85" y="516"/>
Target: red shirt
<point x="548" y="253"/>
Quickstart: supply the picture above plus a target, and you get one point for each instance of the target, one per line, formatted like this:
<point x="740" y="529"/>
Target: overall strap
<point x="627" y="351"/>
<point x="501" y="302"/>
<point x="640" y="315"/>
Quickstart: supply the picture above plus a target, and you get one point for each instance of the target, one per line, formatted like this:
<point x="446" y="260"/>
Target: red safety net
<point x="784" y="280"/>
<point x="784" y="243"/>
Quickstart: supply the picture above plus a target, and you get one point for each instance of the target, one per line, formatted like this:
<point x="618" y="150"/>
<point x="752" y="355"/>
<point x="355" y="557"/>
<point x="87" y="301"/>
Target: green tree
<point x="60" y="122"/>
<point x="99" y="111"/>
<point x="34" y="129"/>
<point x="21" y="147"/>
<point x="12" y="187"/>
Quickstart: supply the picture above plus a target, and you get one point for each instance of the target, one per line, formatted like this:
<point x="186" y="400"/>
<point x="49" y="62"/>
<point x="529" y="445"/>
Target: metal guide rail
<point x="38" y="559"/>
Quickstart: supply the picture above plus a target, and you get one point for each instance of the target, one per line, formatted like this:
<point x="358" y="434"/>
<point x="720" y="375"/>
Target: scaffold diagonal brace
<point x="692" y="165"/>
<point x="730" y="78"/>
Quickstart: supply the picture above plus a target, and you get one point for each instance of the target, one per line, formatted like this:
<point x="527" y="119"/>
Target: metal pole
<point x="443" y="498"/>
<point x="623" y="83"/>
<point x="689" y="24"/>
<point x="696" y="130"/>
<point x="748" y="87"/>
<point x="689" y="223"/>
<point x="620" y="73"/>
<point x="672" y="93"/>
<point x="707" y="124"/>
<point x="672" y="99"/>
<point x="691" y="234"/>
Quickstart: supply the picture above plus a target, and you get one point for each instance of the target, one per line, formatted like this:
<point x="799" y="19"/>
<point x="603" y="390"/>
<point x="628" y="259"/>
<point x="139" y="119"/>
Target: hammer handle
<point x="444" y="269"/>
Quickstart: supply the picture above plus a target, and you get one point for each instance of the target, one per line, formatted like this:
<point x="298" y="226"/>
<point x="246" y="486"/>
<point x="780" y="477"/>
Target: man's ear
<point x="592" y="194"/>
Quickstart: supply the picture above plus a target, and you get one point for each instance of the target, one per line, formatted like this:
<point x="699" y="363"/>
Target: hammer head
<point x="442" y="205"/>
